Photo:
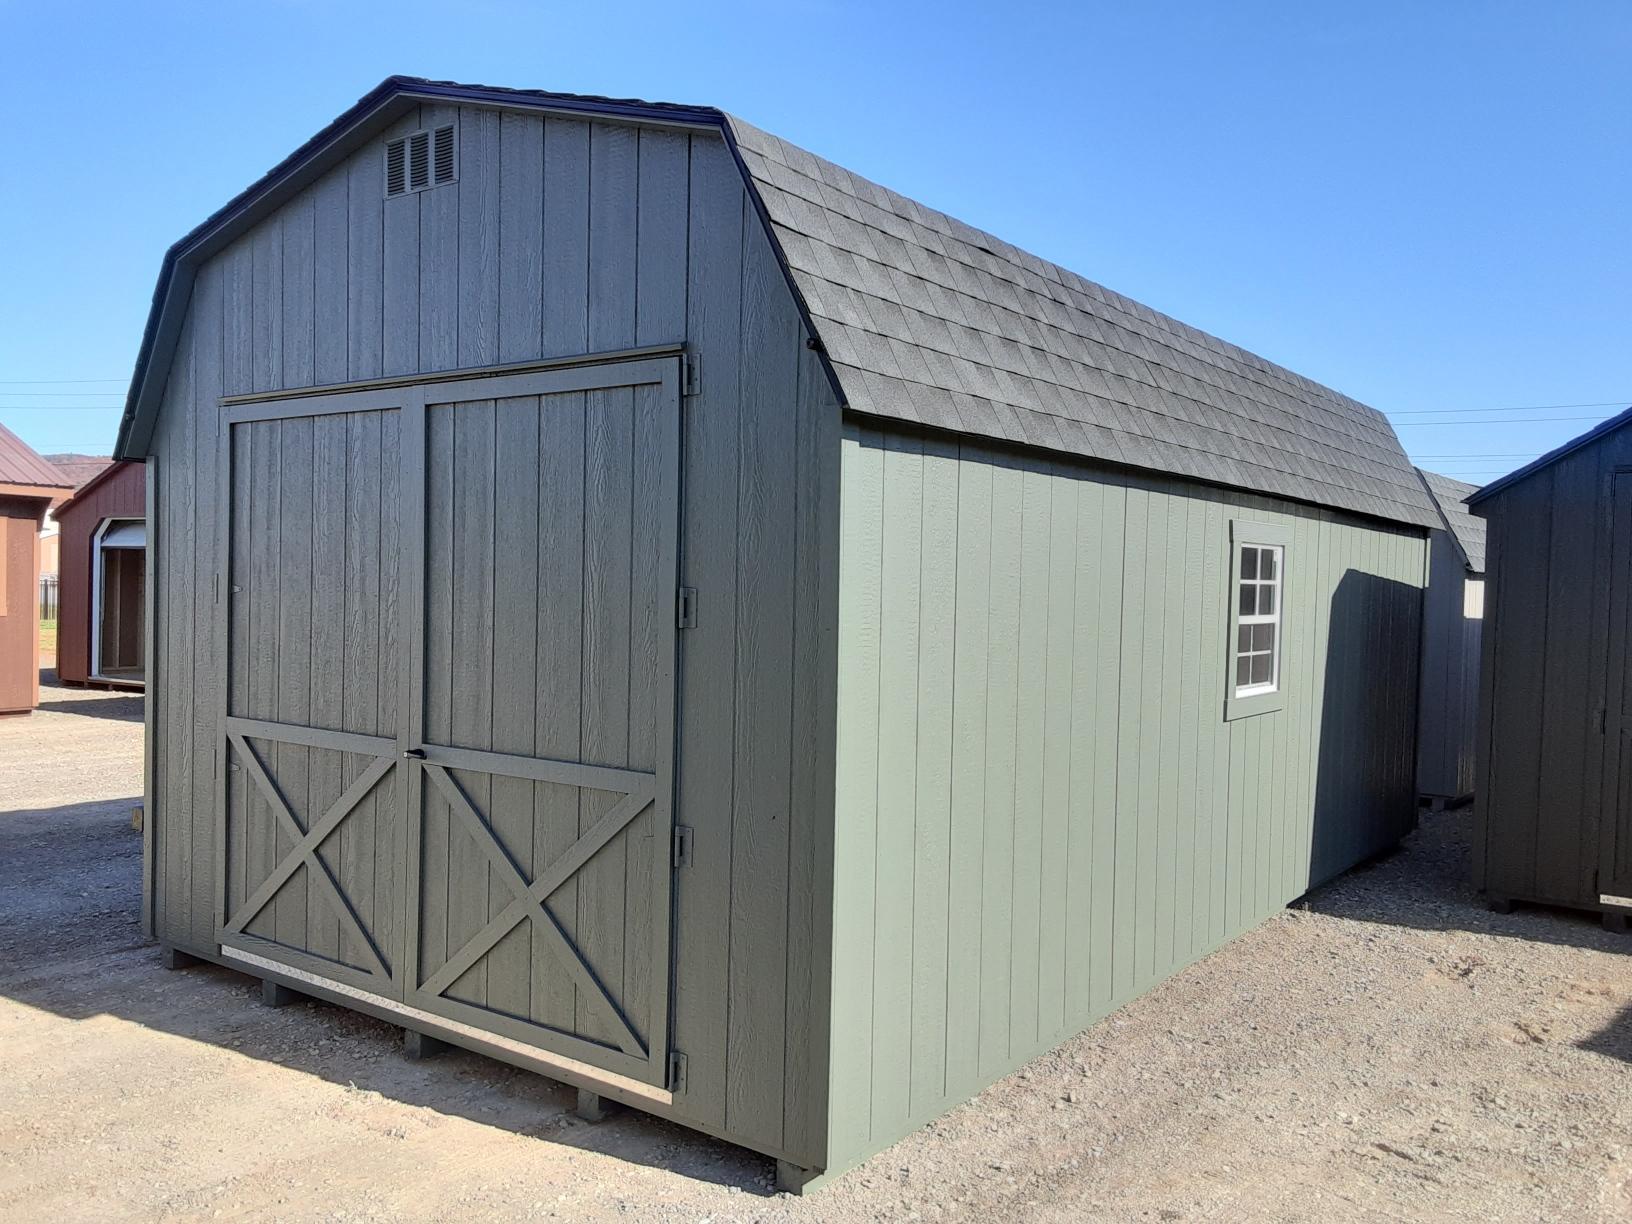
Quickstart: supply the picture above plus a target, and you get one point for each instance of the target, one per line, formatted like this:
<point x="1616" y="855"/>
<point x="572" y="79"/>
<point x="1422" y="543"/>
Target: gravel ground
<point x="1386" y="1050"/>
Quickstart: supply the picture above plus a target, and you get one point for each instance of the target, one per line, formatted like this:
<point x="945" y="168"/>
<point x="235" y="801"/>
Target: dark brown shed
<point x="1554" y="792"/>
<point x="101" y="615"/>
<point x="28" y="485"/>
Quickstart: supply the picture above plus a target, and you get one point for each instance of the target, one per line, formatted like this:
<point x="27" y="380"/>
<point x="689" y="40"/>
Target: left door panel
<point x="311" y="828"/>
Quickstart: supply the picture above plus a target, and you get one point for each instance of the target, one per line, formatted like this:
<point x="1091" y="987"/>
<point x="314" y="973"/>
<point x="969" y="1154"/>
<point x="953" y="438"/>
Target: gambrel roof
<point x="1466" y="528"/>
<point x="924" y="319"/>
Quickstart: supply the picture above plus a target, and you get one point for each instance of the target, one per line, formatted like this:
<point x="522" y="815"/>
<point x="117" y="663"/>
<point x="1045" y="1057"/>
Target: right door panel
<point x="541" y="810"/>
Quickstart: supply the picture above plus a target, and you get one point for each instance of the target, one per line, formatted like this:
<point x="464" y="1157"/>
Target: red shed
<point x="28" y="485"/>
<point x="102" y="615"/>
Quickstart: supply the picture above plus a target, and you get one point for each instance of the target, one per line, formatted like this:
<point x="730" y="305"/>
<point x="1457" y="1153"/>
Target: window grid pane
<point x="1257" y="646"/>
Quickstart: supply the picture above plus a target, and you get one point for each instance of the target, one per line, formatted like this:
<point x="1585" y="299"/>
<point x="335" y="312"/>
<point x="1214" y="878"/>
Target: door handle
<point x="413" y="754"/>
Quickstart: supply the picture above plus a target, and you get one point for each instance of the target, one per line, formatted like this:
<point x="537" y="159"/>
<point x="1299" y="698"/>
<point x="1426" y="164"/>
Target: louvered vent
<point x="420" y="160"/>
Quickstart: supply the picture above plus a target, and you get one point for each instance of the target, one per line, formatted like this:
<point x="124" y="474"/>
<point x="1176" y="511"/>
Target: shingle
<point x="1467" y="528"/>
<point x="1000" y="343"/>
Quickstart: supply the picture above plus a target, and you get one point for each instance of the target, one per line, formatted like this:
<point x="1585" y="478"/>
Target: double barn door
<point x="449" y="722"/>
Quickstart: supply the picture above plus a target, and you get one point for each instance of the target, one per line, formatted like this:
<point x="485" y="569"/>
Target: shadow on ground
<point x="1424" y="884"/>
<point x="117" y="704"/>
<point x="71" y="945"/>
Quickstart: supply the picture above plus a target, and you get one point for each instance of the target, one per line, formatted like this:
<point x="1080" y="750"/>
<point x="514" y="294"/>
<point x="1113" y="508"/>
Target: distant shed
<point x="1554" y="787"/>
<point x="642" y="602"/>
<point x="1453" y="614"/>
<point x="28" y="486"/>
<point x="101" y="621"/>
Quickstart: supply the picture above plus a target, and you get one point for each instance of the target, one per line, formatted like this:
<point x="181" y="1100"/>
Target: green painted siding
<point x="1041" y="810"/>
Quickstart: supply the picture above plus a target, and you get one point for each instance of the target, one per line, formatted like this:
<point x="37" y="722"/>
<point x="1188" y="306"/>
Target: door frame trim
<point x="609" y="357"/>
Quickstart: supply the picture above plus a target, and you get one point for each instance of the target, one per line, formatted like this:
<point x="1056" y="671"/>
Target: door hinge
<point x="677" y="1071"/>
<point x="694" y="374"/>
<point x="680" y="846"/>
<point x="685" y="608"/>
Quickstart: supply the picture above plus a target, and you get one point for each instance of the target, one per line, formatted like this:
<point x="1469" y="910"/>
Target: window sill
<point x="1253" y="703"/>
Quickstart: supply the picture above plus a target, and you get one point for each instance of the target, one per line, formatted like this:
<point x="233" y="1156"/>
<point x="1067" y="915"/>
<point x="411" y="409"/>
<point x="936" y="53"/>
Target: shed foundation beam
<point x="592" y="1106"/>
<point x="276" y="994"/>
<point x="175" y="958"/>
<point x="417" y="1045"/>
<point x="796" y="1179"/>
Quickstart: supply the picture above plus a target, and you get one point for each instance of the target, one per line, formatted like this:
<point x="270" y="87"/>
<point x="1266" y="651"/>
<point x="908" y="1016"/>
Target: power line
<point x="46" y="382"/>
<point x="1505" y="421"/>
<point x="60" y="407"/>
<point x="1521" y="408"/>
<point x="61" y="394"/>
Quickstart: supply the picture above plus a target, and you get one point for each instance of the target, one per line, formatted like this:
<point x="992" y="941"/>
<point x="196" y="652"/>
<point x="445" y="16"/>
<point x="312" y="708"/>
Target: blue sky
<point x="1423" y="205"/>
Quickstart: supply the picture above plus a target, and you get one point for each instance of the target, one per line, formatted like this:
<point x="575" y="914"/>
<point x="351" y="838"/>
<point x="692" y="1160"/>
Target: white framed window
<point x="1256" y="680"/>
<point x="1258" y="569"/>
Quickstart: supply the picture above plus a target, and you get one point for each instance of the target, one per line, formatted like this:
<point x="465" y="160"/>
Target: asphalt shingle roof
<point x="1466" y="528"/>
<point x="928" y="320"/>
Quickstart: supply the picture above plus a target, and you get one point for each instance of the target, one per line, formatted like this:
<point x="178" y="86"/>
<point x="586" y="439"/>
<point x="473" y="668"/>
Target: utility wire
<point x="1505" y="421"/>
<point x="46" y="382"/>
<point x="1520" y="408"/>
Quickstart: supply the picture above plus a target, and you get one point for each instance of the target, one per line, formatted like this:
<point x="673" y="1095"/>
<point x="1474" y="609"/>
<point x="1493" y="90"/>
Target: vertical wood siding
<point x="561" y="237"/>
<point x="1448" y="713"/>
<point x="122" y="495"/>
<point x="1041" y="810"/>
<point x="1546" y="657"/>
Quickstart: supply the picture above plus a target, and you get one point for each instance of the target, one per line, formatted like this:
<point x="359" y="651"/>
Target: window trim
<point x="1247" y="533"/>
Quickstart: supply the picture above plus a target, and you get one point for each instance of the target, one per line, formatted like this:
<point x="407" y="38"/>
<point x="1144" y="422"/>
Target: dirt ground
<point x="1386" y="1050"/>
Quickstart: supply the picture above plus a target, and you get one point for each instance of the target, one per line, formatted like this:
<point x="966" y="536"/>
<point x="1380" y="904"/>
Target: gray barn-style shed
<point x="644" y="603"/>
<point x="1554" y="794"/>
<point x="1453" y="611"/>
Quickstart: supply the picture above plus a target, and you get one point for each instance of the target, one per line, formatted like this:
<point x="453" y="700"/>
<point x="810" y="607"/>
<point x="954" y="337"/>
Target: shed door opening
<point x="119" y="580"/>
<point x="452" y="701"/>
<point x="1615" y="872"/>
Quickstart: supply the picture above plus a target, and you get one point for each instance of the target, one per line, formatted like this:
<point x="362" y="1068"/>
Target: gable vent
<point x="420" y="160"/>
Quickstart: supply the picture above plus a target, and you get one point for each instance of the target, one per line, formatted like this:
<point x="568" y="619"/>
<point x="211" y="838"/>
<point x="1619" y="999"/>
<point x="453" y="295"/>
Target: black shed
<point x="1554" y="792"/>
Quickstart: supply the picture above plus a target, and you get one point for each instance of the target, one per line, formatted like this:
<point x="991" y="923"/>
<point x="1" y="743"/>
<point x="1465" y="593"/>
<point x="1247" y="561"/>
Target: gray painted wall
<point x="1448" y="715"/>
<point x="1545" y="761"/>
<point x="1041" y="809"/>
<point x="563" y="237"/>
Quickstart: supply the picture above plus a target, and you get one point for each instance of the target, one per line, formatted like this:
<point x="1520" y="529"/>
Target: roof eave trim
<point x="1600" y="430"/>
